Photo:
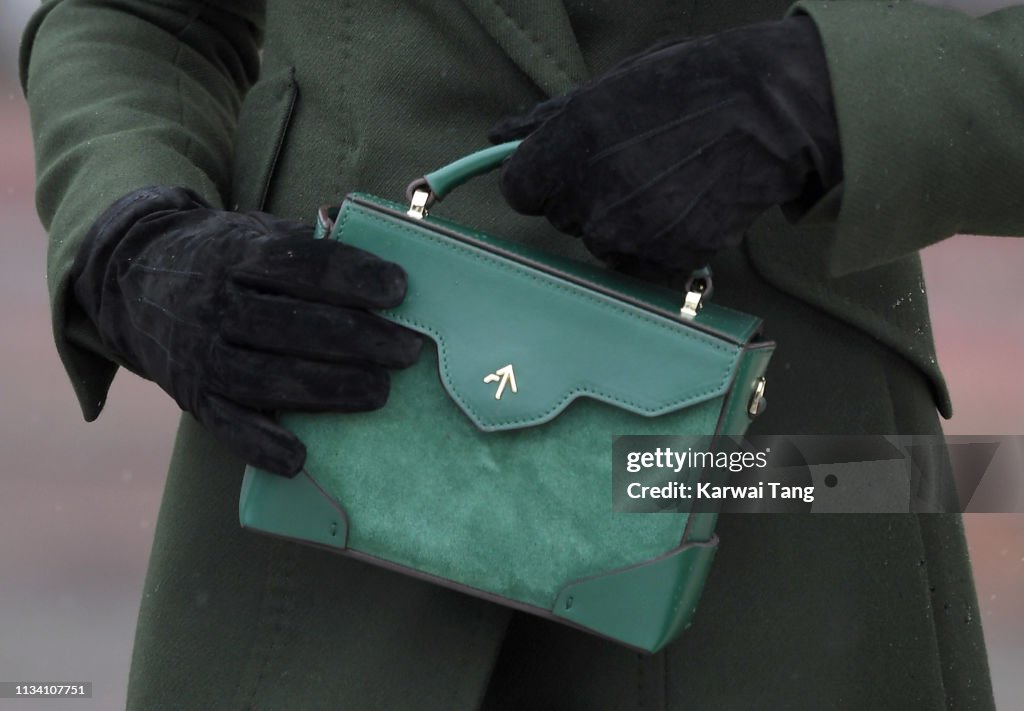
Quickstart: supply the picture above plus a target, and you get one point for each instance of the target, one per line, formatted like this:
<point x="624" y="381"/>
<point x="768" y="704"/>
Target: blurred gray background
<point x="79" y="501"/>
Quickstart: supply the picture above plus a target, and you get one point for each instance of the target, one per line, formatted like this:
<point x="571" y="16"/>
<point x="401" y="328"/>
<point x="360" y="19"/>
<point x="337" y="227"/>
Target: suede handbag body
<point x="489" y="469"/>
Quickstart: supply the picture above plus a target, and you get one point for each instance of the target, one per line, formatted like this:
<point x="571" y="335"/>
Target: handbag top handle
<point x="438" y="183"/>
<point x="434" y="186"/>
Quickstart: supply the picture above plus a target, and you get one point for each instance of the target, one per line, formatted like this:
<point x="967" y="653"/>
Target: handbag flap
<point x="520" y="335"/>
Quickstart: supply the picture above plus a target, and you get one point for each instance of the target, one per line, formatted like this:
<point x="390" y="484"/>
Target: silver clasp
<point x="697" y="288"/>
<point x="757" y="402"/>
<point x="418" y="206"/>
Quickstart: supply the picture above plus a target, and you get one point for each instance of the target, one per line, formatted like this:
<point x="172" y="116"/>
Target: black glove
<point x="236" y="314"/>
<point x="672" y="154"/>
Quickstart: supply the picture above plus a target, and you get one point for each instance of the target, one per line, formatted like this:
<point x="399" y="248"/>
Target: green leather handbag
<point x="489" y="469"/>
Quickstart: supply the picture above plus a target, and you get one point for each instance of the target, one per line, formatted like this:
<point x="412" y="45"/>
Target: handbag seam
<point x="691" y="398"/>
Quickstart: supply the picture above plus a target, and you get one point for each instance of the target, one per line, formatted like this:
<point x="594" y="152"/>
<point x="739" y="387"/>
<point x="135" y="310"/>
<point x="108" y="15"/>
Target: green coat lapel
<point x="537" y="36"/>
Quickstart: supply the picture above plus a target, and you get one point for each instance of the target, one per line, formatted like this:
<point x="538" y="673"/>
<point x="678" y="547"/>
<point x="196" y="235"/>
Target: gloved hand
<point x="236" y="314"/>
<point x="672" y="154"/>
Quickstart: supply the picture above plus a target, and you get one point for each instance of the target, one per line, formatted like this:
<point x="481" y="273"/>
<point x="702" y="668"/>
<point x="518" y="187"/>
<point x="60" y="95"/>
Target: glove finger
<point x="626" y="236"/>
<point x="268" y="381"/>
<point x="566" y="215"/>
<point x="634" y="59"/>
<point x="542" y="166"/>
<point x="322" y="270"/>
<point x="253" y="436"/>
<point x="641" y="267"/>
<point x="511" y="128"/>
<point x="288" y="326"/>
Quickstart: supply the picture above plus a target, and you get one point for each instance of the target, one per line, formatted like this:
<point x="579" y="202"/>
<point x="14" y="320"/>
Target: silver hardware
<point x="691" y="305"/>
<point x="693" y="302"/>
<point x="418" y="208"/>
<point x="757" y="402"/>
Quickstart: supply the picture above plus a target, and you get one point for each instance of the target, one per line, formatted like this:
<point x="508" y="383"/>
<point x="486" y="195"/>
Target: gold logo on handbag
<point x="502" y="376"/>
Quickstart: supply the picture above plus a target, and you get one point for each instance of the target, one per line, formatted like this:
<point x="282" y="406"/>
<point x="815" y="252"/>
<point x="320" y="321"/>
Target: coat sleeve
<point x="930" y="104"/>
<point x="124" y="94"/>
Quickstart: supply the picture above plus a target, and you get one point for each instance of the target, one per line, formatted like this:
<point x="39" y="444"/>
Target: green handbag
<point x="489" y="468"/>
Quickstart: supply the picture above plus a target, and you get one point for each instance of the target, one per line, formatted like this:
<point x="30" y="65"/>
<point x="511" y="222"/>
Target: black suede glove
<point x="237" y="314"/>
<point x="672" y="154"/>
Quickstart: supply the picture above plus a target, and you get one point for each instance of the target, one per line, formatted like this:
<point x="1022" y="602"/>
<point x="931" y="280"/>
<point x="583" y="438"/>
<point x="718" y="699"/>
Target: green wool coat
<point x="800" y="612"/>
